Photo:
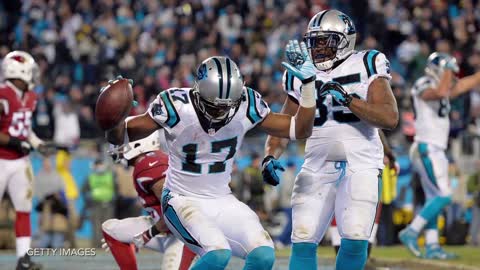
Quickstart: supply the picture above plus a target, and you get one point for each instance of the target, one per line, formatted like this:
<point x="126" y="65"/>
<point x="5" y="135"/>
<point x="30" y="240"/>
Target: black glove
<point x="337" y="92"/>
<point x="21" y="146"/>
<point x="47" y="149"/>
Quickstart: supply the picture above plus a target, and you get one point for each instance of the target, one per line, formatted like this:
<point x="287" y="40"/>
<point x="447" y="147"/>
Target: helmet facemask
<point x="218" y="111"/>
<point x="323" y="47"/>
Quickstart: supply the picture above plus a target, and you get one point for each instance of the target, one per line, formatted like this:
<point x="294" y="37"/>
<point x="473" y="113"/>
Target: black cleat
<point x="24" y="263"/>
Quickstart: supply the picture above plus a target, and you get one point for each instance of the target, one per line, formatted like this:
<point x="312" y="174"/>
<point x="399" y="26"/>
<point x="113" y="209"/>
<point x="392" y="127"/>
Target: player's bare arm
<point x="443" y="89"/>
<point x="278" y="124"/>
<point x="465" y="84"/>
<point x="380" y="108"/>
<point x="275" y="146"/>
<point x="300" y="126"/>
<point x="138" y="127"/>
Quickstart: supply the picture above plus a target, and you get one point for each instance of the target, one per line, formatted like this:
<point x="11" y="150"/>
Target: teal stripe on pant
<point x="427" y="162"/>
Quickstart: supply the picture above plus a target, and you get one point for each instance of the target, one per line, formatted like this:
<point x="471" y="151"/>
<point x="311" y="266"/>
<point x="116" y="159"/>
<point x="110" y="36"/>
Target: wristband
<point x="292" y="133"/>
<point x="307" y="98"/>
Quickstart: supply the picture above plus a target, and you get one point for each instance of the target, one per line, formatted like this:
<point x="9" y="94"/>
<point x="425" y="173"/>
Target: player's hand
<point x="110" y="82"/>
<point x="337" y="92"/>
<point x="299" y="63"/>
<point x="21" y="146"/>
<point x="270" y="166"/>
<point x="105" y="245"/>
<point x="47" y="149"/>
<point x="452" y="64"/>
<point x="141" y="239"/>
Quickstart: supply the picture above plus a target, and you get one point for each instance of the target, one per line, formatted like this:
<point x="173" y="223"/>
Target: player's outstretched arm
<point x="443" y="89"/>
<point x="275" y="146"/>
<point x="380" y="108"/>
<point x="300" y="126"/>
<point x="138" y="127"/>
<point x="465" y="84"/>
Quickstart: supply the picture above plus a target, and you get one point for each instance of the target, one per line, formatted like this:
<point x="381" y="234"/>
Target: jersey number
<point x="339" y="116"/>
<point x="20" y="124"/>
<point x="444" y="108"/>
<point x="191" y="150"/>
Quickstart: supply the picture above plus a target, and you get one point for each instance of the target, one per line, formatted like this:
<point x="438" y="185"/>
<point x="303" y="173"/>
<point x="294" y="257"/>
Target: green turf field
<point x="391" y="258"/>
<point x="398" y="255"/>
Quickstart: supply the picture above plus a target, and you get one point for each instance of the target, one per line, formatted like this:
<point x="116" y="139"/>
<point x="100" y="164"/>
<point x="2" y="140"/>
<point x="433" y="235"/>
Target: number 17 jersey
<point x="337" y="133"/>
<point x="201" y="158"/>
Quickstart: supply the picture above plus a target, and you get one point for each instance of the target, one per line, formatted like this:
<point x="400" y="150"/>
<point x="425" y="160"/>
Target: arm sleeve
<point x="376" y="65"/>
<point x="291" y="86"/>
<point x="257" y="107"/>
<point x="163" y="111"/>
<point x="421" y="85"/>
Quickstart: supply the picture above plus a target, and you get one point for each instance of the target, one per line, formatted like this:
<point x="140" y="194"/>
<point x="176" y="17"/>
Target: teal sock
<point x="213" y="260"/>
<point x="352" y="255"/>
<point x="261" y="258"/>
<point x="304" y="256"/>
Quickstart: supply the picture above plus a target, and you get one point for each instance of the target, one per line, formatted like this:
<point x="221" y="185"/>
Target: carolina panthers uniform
<point x="343" y="157"/>
<point x="432" y="127"/>
<point x="197" y="202"/>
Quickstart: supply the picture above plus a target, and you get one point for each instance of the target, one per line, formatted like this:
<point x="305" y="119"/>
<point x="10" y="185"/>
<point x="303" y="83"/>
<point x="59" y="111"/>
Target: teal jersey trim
<point x="369" y="62"/>
<point x="173" y="117"/>
<point x="427" y="162"/>
<point x="252" y="113"/>
<point x="172" y="217"/>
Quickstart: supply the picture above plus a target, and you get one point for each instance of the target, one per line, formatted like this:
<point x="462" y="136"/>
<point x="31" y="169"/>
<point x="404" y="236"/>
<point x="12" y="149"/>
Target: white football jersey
<point x="432" y="124"/>
<point x="337" y="133"/>
<point x="200" y="157"/>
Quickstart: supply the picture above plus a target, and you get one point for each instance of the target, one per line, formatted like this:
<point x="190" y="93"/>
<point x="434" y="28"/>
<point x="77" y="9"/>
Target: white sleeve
<point x="163" y="111"/>
<point x="257" y="108"/>
<point x="421" y="85"/>
<point x="377" y="65"/>
<point x="291" y="86"/>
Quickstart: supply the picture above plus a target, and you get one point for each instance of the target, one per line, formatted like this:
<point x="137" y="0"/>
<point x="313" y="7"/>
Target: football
<point x="114" y="104"/>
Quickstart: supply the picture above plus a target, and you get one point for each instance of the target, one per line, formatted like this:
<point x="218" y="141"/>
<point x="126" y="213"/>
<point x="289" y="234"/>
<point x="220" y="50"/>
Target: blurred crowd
<point x="80" y="45"/>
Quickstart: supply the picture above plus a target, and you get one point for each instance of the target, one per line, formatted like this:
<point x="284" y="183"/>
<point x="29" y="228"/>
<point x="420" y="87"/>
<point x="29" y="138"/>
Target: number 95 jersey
<point x="201" y="157"/>
<point x="337" y="133"/>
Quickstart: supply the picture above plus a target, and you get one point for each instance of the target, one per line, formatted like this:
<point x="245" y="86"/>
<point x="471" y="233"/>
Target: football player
<point x="431" y="95"/>
<point x="391" y="167"/>
<point x="150" y="165"/>
<point x="344" y="155"/>
<point x="17" y="103"/>
<point x="205" y="126"/>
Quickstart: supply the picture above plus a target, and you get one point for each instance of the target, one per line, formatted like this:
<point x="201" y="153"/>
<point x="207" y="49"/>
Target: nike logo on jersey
<point x="152" y="163"/>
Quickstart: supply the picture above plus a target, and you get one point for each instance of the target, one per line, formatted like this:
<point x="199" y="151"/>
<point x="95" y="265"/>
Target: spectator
<point x="474" y="189"/>
<point x="126" y="204"/>
<point x="253" y="181"/>
<point x="49" y="189"/>
<point x="284" y="201"/>
<point x="63" y="160"/>
<point x="67" y="128"/>
<point x="99" y="190"/>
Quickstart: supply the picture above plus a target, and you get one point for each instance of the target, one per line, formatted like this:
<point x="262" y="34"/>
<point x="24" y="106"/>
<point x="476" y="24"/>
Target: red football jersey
<point x="148" y="171"/>
<point x="16" y="118"/>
